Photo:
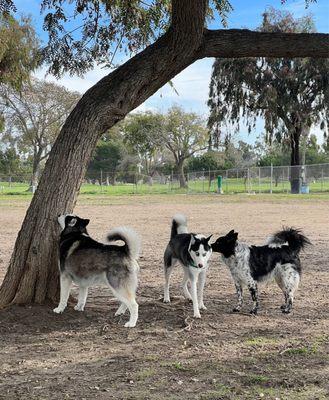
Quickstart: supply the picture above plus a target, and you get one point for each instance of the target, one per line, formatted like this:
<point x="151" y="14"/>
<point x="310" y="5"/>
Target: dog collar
<point x="194" y="266"/>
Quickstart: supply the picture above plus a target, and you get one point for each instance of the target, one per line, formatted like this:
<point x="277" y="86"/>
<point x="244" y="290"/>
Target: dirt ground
<point x="169" y="355"/>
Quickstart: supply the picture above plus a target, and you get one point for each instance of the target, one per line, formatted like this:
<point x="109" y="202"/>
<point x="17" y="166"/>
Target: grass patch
<point x="256" y="379"/>
<point x="261" y="341"/>
<point x="304" y="350"/>
<point x="179" y="366"/>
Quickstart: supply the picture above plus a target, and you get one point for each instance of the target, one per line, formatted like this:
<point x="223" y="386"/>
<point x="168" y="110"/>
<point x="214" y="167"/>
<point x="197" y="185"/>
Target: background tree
<point x="211" y="160"/>
<point x="19" y="50"/>
<point x="142" y="132"/>
<point x="33" y="118"/>
<point x="183" y="134"/>
<point x="108" y="157"/>
<point x="171" y="35"/>
<point x="290" y="94"/>
<point x="9" y="162"/>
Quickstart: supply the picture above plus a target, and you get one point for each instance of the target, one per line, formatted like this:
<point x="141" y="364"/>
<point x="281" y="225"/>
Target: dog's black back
<point x="263" y="260"/>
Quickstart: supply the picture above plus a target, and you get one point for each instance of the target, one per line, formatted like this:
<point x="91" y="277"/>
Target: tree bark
<point x="237" y="43"/>
<point x="35" y="170"/>
<point x="32" y="275"/>
<point x="180" y="170"/>
<point x="295" y="160"/>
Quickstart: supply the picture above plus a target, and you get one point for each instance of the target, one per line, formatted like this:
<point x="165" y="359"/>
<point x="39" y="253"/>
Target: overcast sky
<point x="192" y="84"/>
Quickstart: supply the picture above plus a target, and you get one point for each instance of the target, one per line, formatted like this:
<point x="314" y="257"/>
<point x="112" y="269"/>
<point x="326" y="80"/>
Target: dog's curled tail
<point x="294" y="237"/>
<point x="131" y="239"/>
<point x="178" y="225"/>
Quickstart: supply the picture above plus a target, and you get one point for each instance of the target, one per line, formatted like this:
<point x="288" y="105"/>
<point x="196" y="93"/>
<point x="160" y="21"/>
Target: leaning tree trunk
<point x="295" y="160"/>
<point x="32" y="275"/>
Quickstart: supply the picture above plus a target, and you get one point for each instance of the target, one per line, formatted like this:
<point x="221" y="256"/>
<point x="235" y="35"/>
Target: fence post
<point x="101" y="181"/>
<point x="322" y="179"/>
<point x="271" y="187"/>
<point x="209" y="180"/>
<point x="172" y="179"/>
<point x="259" y="189"/>
<point x="203" y="180"/>
<point x="248" y="180"/>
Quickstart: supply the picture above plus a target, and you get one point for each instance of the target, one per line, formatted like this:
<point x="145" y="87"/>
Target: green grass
<point x="230" y="186"/>
<point x="179" y="366"/>
<point x="254" y="379"/>
<point x="261" y="341"/>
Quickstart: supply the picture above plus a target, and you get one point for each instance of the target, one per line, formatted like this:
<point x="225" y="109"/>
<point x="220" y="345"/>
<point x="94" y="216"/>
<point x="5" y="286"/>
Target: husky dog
<point x="279" y="258"/>
<point x="193" y="253"/>
<point x="86" y="262"/>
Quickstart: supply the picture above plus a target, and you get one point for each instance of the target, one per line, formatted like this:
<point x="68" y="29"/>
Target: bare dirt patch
<point x="169" y="355"/>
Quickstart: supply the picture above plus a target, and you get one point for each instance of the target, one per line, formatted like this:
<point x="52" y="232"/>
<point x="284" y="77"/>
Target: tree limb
<point x="235" y="43"/>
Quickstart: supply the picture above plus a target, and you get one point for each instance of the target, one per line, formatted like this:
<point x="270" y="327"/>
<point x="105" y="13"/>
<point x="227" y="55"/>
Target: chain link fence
<point x="252" y="180"/>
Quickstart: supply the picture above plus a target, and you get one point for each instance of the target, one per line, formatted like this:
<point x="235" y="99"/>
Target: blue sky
<point x="192" y="84"/>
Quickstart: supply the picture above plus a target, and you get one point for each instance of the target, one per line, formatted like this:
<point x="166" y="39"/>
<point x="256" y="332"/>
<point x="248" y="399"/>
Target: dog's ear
<point x="192" y="241"/>
<point x="231" y="233"/>
<point x="72" y="222"/>
<point x="85" y="222"/>
<point x="234" y="236"/>
<point x="208" y="238"/>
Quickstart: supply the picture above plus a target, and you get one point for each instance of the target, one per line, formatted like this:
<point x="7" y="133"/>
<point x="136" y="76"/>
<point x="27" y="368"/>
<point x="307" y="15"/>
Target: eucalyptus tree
<point x="19" y="50"/>
<point x="290" y="94"/>
<point x="161" y="38"/>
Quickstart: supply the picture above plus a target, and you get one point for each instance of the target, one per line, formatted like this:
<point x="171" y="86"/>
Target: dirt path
<point x="169" y="355"/>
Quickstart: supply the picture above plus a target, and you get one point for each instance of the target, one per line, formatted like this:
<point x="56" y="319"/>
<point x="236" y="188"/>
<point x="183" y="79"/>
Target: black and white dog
<point x="279" y="258"/>
<point x="86" y="262"/>
<point x="193" y="253"/>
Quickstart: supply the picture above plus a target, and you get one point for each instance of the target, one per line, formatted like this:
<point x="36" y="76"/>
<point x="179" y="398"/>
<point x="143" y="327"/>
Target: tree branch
<point x="236" y="43"/>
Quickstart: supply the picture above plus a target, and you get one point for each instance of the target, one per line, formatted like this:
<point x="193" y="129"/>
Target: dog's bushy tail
<point x="131" y="239"/>
<point x="294" y="237"/>
<point x="178" y="225"/>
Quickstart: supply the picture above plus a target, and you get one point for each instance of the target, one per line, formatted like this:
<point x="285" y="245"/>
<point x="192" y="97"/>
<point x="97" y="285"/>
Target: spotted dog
<point x="278" y="259"/>
<point x="192" y="252"/>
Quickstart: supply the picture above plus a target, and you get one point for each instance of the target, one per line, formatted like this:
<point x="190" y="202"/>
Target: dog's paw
<point x="236" y="309"/>
<point x="197" y="315"/>
<point x="119" y="312"/>
<point x="58" y="310"/>
<point x="130" y="324"/>
<point x="253" y="312"/>
<point x="79" y="307"/>
<point x="202" y="307"/>
<point x="283" y="307"/>
<point x="286" y="310"/>
<point x="166" y="300"/>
